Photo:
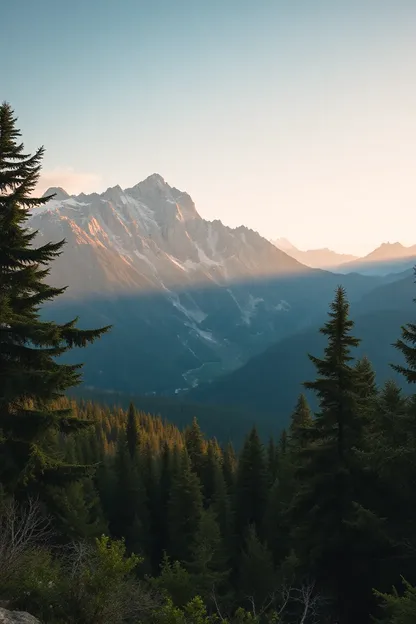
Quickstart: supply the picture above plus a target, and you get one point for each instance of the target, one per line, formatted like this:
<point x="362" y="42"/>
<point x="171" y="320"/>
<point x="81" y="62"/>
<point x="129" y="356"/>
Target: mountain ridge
<point x="188" y="298"/>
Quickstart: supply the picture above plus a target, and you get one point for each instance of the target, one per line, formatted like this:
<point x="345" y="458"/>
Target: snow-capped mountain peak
<point x="155" y="230"/>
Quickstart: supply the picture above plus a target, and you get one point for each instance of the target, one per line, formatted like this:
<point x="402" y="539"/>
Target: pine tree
<point x="196" y="446"/>
<point x="301" y="424"/>
<point x="208" y="563"/>
<point x="257" y="577"/>
<point x="132" y="434"/>
<point x="251" y="485"/>
<point x="30" y="376"/>
<point x="185" y="510"/>
<point x="272" y="461"/>
<point x="366" y="390"/>
<point x="212" y="465"/>
<point x="337" y="538"/>
<point x="407" y="345"/>
<point x="229" y="467"/>
<point x="130" y="511"/>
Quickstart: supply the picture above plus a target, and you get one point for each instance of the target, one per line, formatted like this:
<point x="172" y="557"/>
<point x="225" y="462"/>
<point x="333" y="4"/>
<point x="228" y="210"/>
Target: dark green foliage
<point x="209" y="564"/>
<point x="407" y="345"/>
<point x="301" y="424"/>
<point x="399" y="609"/>
<point x="337" y="538"/>
<point x="30" y="376"/>
<point x="251" y="485"/>
<point x="195" y="445"/>
<point x="130" y="512"/>
<point x="185" y="510"/>
<point x="257" y="573"/>
<point x="132" y="435"/>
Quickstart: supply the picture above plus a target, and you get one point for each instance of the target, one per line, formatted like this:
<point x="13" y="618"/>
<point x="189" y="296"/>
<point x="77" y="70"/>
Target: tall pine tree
<point x="335" y="535"/>
<point x="251" y="490"/>
<point x="30" y="376"/>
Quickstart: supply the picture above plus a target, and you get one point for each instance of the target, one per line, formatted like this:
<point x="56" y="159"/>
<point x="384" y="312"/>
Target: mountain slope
<point x="189" y="299"/>
<point x="271" y="381"/>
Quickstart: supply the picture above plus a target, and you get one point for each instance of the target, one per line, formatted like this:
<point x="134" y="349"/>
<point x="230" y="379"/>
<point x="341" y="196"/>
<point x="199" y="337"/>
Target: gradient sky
<point x="294" y="117"/>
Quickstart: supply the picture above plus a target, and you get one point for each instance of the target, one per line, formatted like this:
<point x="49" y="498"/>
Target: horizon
<point x="295" y="121"/>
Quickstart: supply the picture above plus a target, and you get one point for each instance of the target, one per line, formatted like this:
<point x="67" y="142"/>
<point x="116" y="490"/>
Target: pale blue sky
<point x="294" y="117"/>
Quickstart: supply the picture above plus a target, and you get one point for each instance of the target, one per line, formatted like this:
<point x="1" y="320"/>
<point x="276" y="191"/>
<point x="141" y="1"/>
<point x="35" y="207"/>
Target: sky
<point x="296" y="118"/>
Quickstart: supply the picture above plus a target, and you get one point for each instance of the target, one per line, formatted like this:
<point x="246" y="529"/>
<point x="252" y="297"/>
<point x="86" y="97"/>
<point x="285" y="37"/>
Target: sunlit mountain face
<point x="189" y="299"/>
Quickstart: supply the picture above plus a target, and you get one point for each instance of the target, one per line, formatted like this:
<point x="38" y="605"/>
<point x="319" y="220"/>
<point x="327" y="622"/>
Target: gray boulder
<point x="17" y="617"/>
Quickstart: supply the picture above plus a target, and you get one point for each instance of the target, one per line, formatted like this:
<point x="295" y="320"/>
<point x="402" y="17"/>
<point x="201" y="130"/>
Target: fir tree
<point x="251" y="485"/>
<point x="272" y="461"/>
<point x="229" y="467"/>
<point x="185" y="510"/>
<point x="301" y="424"/>
<point x="257" y="577"/>
<point x="337" y="537"/>
<point x="130" y="511"/>
<point x="407" y="345"/>
<point x="208" y="564"/>
<point x="195" y="445"/>
<point x="132" y="434"/>
<point x="366" y="390"/>
<point x="30" y="376"/>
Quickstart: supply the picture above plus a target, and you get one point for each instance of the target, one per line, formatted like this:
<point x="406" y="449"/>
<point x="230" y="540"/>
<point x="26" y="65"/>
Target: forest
<point x="114" y="515"/>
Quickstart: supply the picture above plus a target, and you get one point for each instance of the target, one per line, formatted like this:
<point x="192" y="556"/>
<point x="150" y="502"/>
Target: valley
<point x="189" y="300"/>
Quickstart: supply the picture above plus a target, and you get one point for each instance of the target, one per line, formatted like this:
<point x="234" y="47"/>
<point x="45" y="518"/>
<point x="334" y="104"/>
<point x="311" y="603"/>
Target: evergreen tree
<point x="30" y="376"/>
<point x="301" y="424"/>
<point x="212" y="466"/>
<point x="336" y="536"/>
<point x="229" y="467"/>
<point x="251" y="485"/>
<point x="272" y="461"/>
<point x="185" y="510"/>
<point x="407" y="345"/>
<point x="257" y="577"/>
<point x="130" y="512"/>
<point x="132" y="434"/>
<point x="208" y="564"/>
<point x="165" y="486"/>
<point x="366" y="390"/>
<point x="195" y="445"/>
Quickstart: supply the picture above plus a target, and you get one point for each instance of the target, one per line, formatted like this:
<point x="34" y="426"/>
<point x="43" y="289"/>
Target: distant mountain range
<point x="189" y="299"/>
<point x="316" y="258"/>
<point x="388" y="258"/>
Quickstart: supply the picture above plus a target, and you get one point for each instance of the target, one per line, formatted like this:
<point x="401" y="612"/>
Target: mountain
<point x="188" y="299"/>
<point x="388" y="258"/>
<point x="315" y="258"/>
<point x="271" y="381"/>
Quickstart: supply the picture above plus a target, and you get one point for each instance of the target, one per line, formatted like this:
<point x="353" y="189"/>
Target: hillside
<point x="272" y="381"/>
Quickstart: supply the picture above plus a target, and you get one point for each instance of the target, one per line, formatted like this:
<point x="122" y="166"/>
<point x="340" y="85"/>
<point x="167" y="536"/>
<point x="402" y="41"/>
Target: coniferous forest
<point x="110" y="515"/>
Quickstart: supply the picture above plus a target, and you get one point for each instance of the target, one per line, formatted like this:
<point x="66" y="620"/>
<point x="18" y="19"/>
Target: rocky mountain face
<point x="188" y="299"/>
<point x="150" y="237"/>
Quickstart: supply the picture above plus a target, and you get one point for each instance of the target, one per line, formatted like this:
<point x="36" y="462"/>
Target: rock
<point x="17" y="617"/>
